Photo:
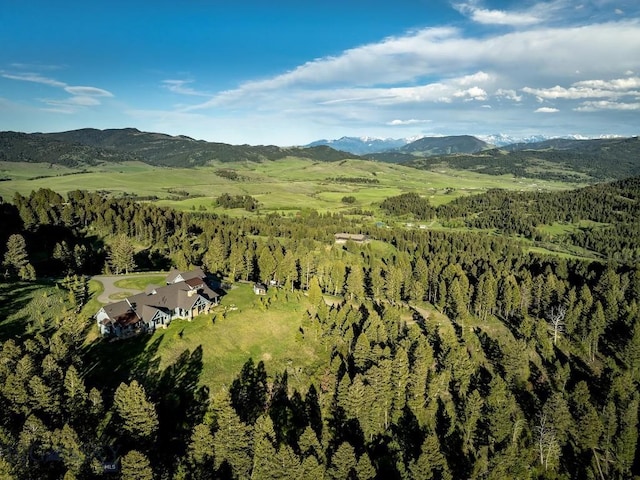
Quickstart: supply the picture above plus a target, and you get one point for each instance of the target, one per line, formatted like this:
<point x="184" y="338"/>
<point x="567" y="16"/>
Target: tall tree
<point x="136" y="466"/>
<point x="121" y="255"/>
<point x="16" y="258"/>
<point x="136" y="413"/>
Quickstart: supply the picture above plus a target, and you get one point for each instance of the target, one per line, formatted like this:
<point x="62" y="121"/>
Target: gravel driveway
<point x="108" y="282"/>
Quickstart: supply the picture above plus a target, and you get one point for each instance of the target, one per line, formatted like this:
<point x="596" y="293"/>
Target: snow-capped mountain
<point x="363" y="145"/>
<point x="501" y="139"/>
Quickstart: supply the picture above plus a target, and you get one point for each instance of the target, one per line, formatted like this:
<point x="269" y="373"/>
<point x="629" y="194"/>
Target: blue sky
<point x="290" y="72"/>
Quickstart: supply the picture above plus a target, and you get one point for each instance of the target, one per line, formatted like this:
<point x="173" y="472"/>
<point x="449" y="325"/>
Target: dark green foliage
<point x="248" y="392"/>
<point x="358" y="180"/>
<point x="405" y="393"/>
<point x="409" y="203"/>
<point x="238" y="201"/>
<point x="91" y="147"/>
<point x="561" y="160"/>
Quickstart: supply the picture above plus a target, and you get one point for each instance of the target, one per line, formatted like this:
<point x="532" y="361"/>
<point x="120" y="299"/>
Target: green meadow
<point x="283" y="186"/>
<point x="243" y="326"/>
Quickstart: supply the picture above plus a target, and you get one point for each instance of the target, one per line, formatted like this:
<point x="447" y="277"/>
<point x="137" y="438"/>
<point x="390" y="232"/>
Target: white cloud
<point x="88" y="91"/>
<point x="607" y="105"/>
<point x="546" y="110"/>
<point x="610" y="89"/>
<point x="81" y="96"/>
<point x="473" y="93"/>
<point x="181" y="87"/>
<point x="617" y="84"/>
<point x="508" y="94"/>
<point x="505" y="61"/>
<point x="35" y="78"/>
<point x="497" y="17"/>
<point x="411" y="121"/>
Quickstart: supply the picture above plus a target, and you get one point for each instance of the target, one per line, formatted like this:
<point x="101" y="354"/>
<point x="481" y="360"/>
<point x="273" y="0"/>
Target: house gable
<point x="179" y="298"/>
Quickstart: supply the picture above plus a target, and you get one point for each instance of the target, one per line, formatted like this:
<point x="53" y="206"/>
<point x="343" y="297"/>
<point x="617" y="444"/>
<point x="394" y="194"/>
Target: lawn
<point x="241" y="327"/>
<point x="141" y="282"/>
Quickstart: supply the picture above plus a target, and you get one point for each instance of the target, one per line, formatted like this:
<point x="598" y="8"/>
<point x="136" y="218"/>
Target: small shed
<point x="259" y="289"/>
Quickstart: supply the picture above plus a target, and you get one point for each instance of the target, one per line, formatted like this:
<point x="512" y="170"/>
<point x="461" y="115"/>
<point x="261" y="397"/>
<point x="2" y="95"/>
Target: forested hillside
<point x="90" y="147"/>
<point x="565" y="160"/>
<point x="450" y="355"/>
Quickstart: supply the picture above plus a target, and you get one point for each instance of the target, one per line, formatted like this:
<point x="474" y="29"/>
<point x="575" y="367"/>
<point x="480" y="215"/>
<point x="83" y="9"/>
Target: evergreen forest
<point x="448" y="353"/>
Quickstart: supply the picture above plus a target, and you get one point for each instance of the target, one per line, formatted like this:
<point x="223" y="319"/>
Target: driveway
<point x="108" y="282"/>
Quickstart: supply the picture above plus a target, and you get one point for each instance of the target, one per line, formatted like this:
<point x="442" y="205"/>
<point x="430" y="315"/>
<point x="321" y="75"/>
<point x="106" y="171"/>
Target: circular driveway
<point x="108" y="282"/>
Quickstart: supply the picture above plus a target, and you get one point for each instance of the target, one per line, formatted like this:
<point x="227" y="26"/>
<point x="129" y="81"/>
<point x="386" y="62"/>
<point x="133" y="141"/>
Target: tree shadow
<point x="109" y="362"/>
<point x="181" y="402"/>
<point x="14" y="296"/>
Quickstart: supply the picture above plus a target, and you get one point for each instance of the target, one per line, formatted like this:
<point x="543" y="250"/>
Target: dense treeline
<point x="597" y="160"/>
<point x="533" y="373"/>
<point x="363" y="180"/>
<point x="617" y="205"/>
<point x="237" y="201"/>
<point x="409" y="203"/>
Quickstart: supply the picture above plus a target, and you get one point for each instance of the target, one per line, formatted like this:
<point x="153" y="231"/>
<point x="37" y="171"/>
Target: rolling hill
<point x="91" y="146"/>
<point x="558" y="159"/>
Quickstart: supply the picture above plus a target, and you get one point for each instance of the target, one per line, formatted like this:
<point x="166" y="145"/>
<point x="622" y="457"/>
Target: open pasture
<point x="285" y="185"/>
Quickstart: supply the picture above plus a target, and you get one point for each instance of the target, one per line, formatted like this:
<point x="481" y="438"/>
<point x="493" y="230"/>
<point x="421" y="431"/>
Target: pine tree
<point x="75" y="392"/>
<point x="121" y="255"/>
<point x="215" y="257"/>
<point x="67" y="443"/>
<point x="315" y="293"/>
<point x="343" y="462"/>
<point x="201" y="452"/>
<point x="135" y="466"/>
<point x="430" y="461"/>
<point x="232" y="439"/>
<point x="136" y="413"/>
<point x="355" y="283"/>
<point x="16" y="258"/>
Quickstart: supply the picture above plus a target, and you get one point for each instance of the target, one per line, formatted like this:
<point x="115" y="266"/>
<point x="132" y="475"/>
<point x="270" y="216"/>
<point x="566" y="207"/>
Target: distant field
<point x="282" y="186"/>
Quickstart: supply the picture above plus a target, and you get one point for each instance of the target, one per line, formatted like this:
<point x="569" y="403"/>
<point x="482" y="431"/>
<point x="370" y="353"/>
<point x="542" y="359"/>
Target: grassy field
<point x="283" y="186"/>
<point x="243" y="326"/>
<point x="141" y="282"/>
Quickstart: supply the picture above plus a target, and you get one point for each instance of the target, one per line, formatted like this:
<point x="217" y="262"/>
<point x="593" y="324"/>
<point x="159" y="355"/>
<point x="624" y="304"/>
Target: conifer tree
<point x="343" y="462"/>
<point x="16" y="256"/>
<point x="137" y="415"/>
<point x="135" y="466"/>
<point x="121" y="255"/>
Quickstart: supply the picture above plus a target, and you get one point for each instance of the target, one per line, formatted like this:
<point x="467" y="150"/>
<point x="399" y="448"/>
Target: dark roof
<point x="194" y="282"/>
<point x="121" y="313"/>
<point x="356" y="237"/>
<point x="144" y="306"/>
<point x="191" y="274"/>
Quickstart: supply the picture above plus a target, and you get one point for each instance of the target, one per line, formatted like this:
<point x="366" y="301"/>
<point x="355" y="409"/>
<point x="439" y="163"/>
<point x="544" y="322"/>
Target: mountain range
<point x="565" y="159"/>
<point x="367" y="145"/>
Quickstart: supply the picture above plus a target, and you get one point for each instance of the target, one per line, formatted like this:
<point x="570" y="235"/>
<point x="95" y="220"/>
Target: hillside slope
<point x="91" y="146"/>
<point x="563" y="160"/>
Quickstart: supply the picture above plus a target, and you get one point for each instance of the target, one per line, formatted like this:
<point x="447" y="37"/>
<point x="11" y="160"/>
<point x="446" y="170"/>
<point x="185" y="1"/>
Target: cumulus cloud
<point x="546" y="110"/>
<point x="509" y="94"/>
<point x="595" y="106"/>
<point x="497" y="17"/>
<point x="620" y="94"/>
